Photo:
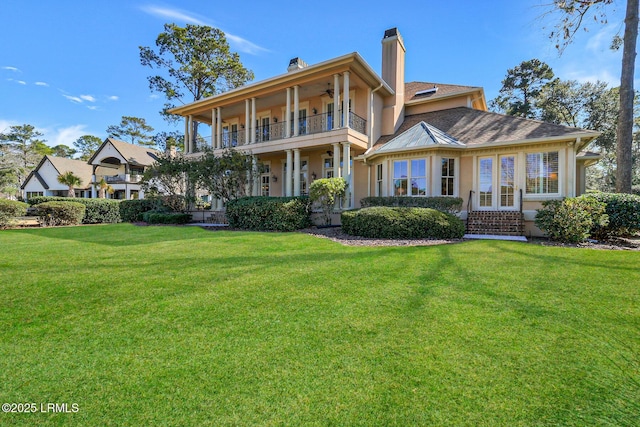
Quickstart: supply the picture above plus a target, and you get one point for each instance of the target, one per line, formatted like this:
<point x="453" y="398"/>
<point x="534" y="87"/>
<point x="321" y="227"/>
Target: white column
<point x="256" y="177"/>
<point x="296" y="111"/>
<point x="296" y="172"/>
<point x="288" y="174"/>
<point x="247" y="118"/>
<point x="214" y="142"/>
<point x="346" y="170"/>
<point x="336" y="101"/>
<point x="94" y="190"/>
<point x="253" y="120"/>
<point x="345" y="100"/>
<point x="287" y="113"/>
<point x="186" y="135"/>
<point x="336" y="160"/>
<point x="369" y="117"/>
<point x="219" y="126"/>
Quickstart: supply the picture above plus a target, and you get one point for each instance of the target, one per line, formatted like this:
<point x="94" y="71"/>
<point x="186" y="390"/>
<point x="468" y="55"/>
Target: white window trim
<point x="561" y="176"/>
<point x="392" y="178"/>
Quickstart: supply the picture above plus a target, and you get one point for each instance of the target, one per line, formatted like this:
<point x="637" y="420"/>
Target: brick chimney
<point x="393" y="53"/>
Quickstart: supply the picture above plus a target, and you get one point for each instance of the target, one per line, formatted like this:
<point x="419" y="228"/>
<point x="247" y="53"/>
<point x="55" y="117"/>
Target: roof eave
<point x="559" y="138"/>
<point x="244" y="91"/>
<point x="447" y="96"/>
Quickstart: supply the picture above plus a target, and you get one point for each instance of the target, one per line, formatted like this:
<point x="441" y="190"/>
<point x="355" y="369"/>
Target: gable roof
<point x="62" y="164"/>
<point x="476" y="127"/>
<point x="421" y="135"/>
<point x="133" y="154"/>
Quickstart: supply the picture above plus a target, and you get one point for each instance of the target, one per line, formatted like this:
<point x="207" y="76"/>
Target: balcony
<point x="315" y="124"/>
<point x="121" y="178"/>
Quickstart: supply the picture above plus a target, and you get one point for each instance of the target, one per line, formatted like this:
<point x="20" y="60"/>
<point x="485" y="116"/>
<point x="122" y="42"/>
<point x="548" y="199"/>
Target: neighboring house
<point x="43" y="180"/>
<point x="391" y="138"/>
<point x="120" y="164"/>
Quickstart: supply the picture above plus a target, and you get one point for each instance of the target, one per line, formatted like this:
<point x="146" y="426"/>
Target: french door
<point x="497" y="183"/>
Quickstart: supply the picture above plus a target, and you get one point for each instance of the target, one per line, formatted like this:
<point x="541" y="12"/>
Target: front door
<point x="485" y="183"/>
<point x="497" y="183"/>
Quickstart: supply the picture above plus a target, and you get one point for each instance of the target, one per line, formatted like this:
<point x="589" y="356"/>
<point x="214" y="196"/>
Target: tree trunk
<point x="625" y="120"/>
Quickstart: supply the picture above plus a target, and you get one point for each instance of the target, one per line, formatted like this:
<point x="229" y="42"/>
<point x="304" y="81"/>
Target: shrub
<point x="402" y="223"/>
<point x="60" y="213"/>
<point x="451" y="205"/>
<point x="623" y="211"/>
<point x="571" y="220"/>
<point x="152" y="217"/>
<point x="98" y="210"/>
<point x="326" y="192"/>
<point x="132" y="210"/>
<point x="9" y="209"/>
<point x="269" y="213"/>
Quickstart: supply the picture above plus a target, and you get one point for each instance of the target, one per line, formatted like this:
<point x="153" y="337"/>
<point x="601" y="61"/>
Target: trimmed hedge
<point x="402" y="223"/>
<point x="166" y="218"/>
<point x="269" y="213"/>
<point x="451" y="205"/>
<point x="132" y="210"/>
<point x="572" y="219"/>
<point x="9" y="209"/>
<point x="624" y="214"/>
<point x="60" y="213"/>
<point x="13" y="207"/>
<point x="98" y="210"/>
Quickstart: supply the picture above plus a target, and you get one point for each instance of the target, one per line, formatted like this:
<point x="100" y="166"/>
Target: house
<point x="43" y="180"/>
<point x="120" y="164"/>
<point x="387" y="137"/>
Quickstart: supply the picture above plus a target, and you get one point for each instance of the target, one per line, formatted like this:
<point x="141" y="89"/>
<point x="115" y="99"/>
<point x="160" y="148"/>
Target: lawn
<point x="182" y="326"/>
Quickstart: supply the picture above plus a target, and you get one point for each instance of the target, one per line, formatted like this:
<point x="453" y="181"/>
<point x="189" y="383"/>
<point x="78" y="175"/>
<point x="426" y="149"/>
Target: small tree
<point x="326" y="192"/>
<point x="86" y="145"/>
<point x="71" y="180"/>
<point x="134" y="130"/>
<point x="173" y="176"/>
<point x="228" y="176"/>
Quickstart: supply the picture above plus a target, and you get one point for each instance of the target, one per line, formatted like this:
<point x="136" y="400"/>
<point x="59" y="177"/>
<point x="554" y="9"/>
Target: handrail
<point x="521" y="200"/>
<point x="469" y="205"/>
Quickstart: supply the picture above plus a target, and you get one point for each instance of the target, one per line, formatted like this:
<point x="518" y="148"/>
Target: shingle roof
<point x="135" y="154"/>
<point x="80" y="168"/>
<point x="479" y="127"/>
<point x="444" y="90"/>
<point x="421" y="135"/>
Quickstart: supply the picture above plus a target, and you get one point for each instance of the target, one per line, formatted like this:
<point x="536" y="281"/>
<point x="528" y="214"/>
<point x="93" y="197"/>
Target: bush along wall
<point x="451" y="205"/>
<point x="623" y="211"/>
<point x="60" y="213"/>
<point x="132" y="210"/>
<point x="402" y="223"/>
<point x="152" y="217"/>
<point x="269" y="213"/>
<point x="571" y="220"/>
<point x="97" y="210"/>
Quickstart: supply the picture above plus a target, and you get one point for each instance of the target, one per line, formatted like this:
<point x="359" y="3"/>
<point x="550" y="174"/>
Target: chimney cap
<point x="391" y="32"/>
<point x="296" y="64"/>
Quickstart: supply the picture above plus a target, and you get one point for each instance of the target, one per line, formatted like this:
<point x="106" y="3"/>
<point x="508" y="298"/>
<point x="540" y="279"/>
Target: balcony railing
<point x="276" y="131"/>
<point x="111" y="179"/>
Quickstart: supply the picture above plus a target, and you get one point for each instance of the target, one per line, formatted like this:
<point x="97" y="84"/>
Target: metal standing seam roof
<point x="421" y="135"/>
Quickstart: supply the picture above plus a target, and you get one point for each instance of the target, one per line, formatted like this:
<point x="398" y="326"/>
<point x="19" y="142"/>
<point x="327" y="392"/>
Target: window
<point x="265" y="180"/>
<point x="379" y="180"/>
<point x="327" y="167"/>
<point x="405" y="172"/>
<point x="486" y="182"/>
<point x="419" y="177"/>
<point x="542" y="173"/>
<point x="400" y="176"/>
<point x="448" y="177"/>
<point x="31" y="194"/>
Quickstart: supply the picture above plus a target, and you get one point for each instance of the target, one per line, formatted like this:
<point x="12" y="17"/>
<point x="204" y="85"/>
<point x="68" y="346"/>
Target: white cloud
<point x="88" y="98"/>
<point x="6" y="124"/>
<point x="237" y="42"/>
<point x="92" y="107"/>
<point x="21" y="82"/>
<point x="154" y="96"/>
<point x="73" y="99"/>
<point x="14" y="69"/>
<point x="175" y="14"/>
<point x="41" y="84"/>
<point x="65" y="135"/>
<point x="113" y="98"/>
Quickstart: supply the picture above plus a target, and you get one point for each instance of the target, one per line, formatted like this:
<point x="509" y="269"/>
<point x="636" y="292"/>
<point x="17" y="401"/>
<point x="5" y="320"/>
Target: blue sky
<point x="72" y="68"/>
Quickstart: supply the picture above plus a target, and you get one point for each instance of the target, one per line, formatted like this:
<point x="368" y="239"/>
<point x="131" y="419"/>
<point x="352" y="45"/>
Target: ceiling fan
<point x="329" y="91"/>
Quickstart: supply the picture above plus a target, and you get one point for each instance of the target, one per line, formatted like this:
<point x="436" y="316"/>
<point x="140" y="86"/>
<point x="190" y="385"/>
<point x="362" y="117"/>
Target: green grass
<point x="181" y="326"/>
